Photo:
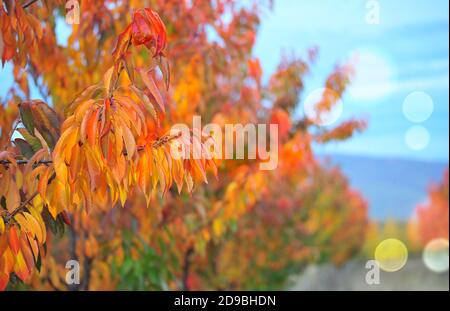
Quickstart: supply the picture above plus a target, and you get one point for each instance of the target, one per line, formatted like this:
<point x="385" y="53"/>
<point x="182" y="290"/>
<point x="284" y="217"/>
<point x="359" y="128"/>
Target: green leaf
<point x="3" y="202"/>
<point x="50" y="114"/>
<point x="49" y="221"/>
<point x="39" y="263"/>
<point x="60" y="227"/>
<point x="26" y="116"/>
<point x="47" y="122"/>
<point x="25" y="148"/>
<point x="31" y="139"/>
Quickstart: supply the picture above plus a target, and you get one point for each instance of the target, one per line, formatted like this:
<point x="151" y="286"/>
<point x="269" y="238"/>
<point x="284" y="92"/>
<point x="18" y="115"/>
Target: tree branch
<point x="24" y="162"/>
<point x="29" y="3"/>
<point x="156" y="144"/>
<point x="87" y="273"/>
<point x="187" y="267"/>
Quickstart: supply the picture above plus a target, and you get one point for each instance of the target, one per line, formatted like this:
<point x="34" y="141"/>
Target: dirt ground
<point x="352" y="276"/>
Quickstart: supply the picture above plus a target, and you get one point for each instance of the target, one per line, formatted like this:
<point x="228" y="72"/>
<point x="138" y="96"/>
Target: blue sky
<point x="406" y="52"/>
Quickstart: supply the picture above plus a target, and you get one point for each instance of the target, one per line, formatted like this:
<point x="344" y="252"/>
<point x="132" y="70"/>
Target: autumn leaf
<point x="147" y="29"/>
<point x="20" y="267"/>
<point x="105" y="141"/>
<point x="37" y="116"/>
<point x="4" y="279"/>
<point x="150" y="84"/>
<point x="14" y="240"/>
<point x="2" y="225"/>
<point x="122" y="44"/>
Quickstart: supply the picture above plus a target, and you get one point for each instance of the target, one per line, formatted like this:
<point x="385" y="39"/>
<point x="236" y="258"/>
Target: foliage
<point x="287" y="231"/>
<point x="431" y="221"/>
<point x="100" y="138"/>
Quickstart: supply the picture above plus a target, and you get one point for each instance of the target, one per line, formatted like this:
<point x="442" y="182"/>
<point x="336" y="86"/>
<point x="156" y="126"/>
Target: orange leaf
<point x="27" y="253"/>
<point x="150" y="84"/>
<point x="65" y="218"/>
<point x="4" y="279"/>
<point x="92" y="125"/>
<point x="122" y="43"/>
<point x="12" y="197"/>
<point x="20" y="267"/>
<point x="43" y="182"/>
<point x="14" y="240"/>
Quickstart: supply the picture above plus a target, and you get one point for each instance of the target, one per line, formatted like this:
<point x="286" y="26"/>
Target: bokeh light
<point x="373" y="75"/>
<point x="418" y="107"/>
<point x="435" y="255"/>
<point x="391" y="255"/>
<point x="417" y="137"/>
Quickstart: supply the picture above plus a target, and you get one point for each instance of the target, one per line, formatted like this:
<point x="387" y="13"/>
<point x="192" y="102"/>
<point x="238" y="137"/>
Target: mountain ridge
<point x="392" y="186"/>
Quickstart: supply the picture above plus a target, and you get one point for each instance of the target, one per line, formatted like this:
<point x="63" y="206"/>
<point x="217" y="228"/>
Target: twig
<point x="187" y="267"/>
<point x="24" y="162"/>
<point x="29" y="3"/>
<point x="73" y="238"/>
<point x="156" y="144"/>
<point x="87" y="271"/>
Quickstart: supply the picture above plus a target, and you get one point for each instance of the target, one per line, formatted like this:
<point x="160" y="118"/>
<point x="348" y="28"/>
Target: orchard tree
<point x="109" y="143"/>
<point x="100" y="138"/>
<point x="432" y="216"/>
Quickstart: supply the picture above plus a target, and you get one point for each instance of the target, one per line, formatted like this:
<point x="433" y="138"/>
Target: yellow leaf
<point x="41" y="223"/>
<point x="43" y="182"/>
<point x="41" y="139"/>
<point x="20" y="267"/>
<point x="24" y="225"/>
<point x="12" y="197"/>
<point x="130" y="143"/>
<point x="217" y="227"/>
<point x="35" y="227"/>
<point x="2" y="225"/>
<point x="107" y="79"/>
<point x="13" y="240"/>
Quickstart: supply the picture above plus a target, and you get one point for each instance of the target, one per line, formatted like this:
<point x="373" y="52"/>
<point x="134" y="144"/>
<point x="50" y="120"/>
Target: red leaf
<point x="4" y="279"/>
<point x="122" y="43"/>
